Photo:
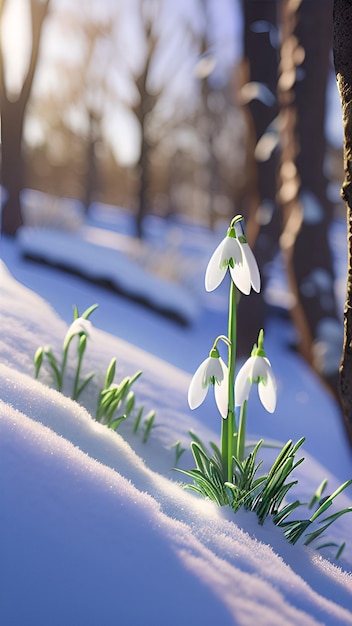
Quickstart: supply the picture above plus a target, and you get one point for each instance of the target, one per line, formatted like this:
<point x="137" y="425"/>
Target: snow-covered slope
<point x="95" y="527"/>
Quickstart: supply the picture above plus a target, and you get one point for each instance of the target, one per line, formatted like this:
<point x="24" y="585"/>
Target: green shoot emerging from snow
<point x="116" y="402"/>
<point x="80" y="329"/>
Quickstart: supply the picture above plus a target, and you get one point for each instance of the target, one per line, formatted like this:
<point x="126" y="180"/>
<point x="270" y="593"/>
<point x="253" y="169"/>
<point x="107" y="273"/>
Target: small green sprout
<point x="80" y="328"/>
<point x="138" y="419"/>
<point x="179" y="450"/>
<point x="116" y="402"/>
<point x="115" y="398"/>
<point x="148" y="425"/>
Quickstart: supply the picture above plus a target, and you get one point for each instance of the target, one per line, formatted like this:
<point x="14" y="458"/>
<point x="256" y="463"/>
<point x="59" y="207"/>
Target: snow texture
<point x="95" y="525"/>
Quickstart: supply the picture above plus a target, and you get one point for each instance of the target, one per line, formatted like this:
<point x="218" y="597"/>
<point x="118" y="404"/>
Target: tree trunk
<point x="290" y="187"/>
<point x="12" y="120"/>
<point x="143" y="169"/>
<point x="142" y="111"/>
<point x="342" y="45"/>
<point x="91" y="179"/>
<point x="12" y="165"/>
<point x="312" y="264"/>
<point x="258" y="205"/>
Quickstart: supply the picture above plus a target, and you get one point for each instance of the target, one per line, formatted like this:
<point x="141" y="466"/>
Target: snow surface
<point x="95" y="525"/>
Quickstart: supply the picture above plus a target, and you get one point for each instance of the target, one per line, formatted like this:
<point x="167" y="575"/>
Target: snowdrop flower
<point x="212" y="371"/>
<point x="234" y="253"/>
<point x="257" y="369"/>
<point x="79" y="326"/>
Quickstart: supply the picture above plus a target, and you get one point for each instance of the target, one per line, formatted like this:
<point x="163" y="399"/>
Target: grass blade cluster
<point x="263" y="494"/>
<point x="116" y="401"/>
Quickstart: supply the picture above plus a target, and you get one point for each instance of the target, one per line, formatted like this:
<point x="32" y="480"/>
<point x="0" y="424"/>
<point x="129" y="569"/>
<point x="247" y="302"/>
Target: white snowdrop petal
<point x="232" y="250"/>
<point x="267" y="393"/>
<point x="80" y="325"/>
<point x="222" y="398"/>
<point x="242" y="392"/>
<point x="241" y="276"/>
<point x="243" y="383"/>
<point x="221" y="390"/>
<point x="253" y="266"/>
<point x="223" y="367"/>
<point x="214" y="273"/>
<point x="197" y="391"/>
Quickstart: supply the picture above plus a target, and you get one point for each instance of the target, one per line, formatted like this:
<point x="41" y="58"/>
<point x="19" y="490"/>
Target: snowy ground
<point x="96" y="528"/>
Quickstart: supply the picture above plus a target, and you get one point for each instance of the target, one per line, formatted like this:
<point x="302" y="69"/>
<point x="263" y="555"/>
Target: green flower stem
<point x="80" y="350"/>
<point x="231" y="418"/>
<point x="78" y="372"/>
<point x="224" y="448"/>
<point x="241" y="438"/>
<point x="63" y="367"/>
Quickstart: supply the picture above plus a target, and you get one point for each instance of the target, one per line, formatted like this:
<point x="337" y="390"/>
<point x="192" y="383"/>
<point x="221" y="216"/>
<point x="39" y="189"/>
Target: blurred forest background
<point x="132" y="102"/>
<point x="196" y="108"/>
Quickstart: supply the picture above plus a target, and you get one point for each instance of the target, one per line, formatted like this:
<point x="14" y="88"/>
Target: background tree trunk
<point x="311" y="263"/>
<point x="12" y="164"/>
<point x="287" y="46"/>
<point x="91" y="179"/>
<point x="342" y="46"/>
<point x="12" y="119"/>
<point x="263" y="220"/>
<point x="142" y="110"/>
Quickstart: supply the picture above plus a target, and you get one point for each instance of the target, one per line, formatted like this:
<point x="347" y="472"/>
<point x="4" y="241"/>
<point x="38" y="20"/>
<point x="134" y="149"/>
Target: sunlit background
<point x="97" y="64"/>
<point x="195" y="110"/>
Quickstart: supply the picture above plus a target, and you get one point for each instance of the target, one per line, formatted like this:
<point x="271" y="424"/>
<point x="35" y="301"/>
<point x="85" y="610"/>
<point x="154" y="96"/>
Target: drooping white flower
<point x="249" y="258"/>
<point x="212" y="371"/>
<point x="79" y="326"/>
<point x="234" y="253"/>
<point x="257" y="370"/>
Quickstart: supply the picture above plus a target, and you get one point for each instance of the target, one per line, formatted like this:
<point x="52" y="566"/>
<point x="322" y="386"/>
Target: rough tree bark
<point x="12" y="120"/>
<point x="342" y="46"/>
<point x="311" y="263"/>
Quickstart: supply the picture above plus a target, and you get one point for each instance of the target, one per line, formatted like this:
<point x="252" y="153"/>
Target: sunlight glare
<point x="16" y="43"/>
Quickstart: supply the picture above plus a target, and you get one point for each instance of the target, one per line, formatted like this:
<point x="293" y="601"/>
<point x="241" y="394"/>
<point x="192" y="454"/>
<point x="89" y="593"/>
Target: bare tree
<point x="342" y="45"/>
<point x="12" y="121"/>
<point x="143" y="109"/>
<point x="154" y="80"/>
<point x="85" y="82"/>
<point x="93" y="92"/>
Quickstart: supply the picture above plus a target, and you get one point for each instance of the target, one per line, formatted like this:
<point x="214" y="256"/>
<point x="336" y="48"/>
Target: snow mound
<point x="94" y="534"/>
<point x="108" y="267"/>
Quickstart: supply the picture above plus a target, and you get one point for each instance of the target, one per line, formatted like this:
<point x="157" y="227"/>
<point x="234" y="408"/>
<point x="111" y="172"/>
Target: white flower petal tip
<point x="212" y="371"/>
<point x="267" y="392"/>
<point x="222" y="396"/>
<point x="240" y="275"/>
